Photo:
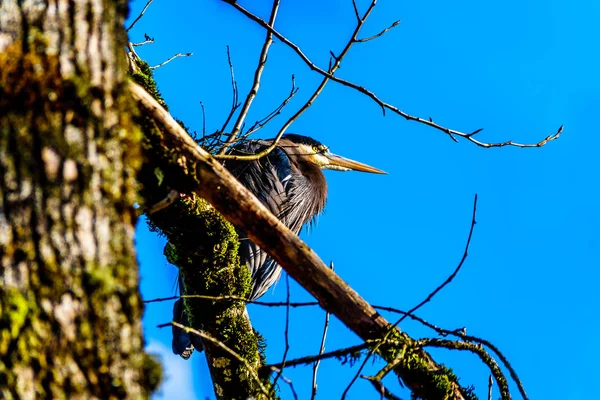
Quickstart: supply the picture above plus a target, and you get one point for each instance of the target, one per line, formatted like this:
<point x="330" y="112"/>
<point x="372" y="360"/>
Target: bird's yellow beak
<point x="339" y="163"/>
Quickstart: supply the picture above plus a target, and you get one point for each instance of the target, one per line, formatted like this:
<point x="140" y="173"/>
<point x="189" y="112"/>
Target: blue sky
<point x="519" y="70"/>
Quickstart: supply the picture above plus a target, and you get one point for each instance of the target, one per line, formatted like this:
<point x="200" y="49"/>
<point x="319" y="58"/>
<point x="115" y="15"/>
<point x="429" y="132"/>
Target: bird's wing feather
<point x="269" y="179"/>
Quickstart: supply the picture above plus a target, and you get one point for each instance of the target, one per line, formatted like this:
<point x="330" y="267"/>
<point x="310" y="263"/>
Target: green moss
<point x="204" y="246"/>
<point x="163" y="165"/>
<point x="152" y="371"/>
<point x="102" y="281"/>
<point x="14" y="308"/>
<point x="145" y="78"/>
<point x="415" y="368"/>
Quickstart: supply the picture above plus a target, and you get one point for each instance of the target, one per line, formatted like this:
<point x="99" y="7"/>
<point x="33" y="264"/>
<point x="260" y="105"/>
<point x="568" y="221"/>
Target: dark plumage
<point x="284" y="184"/>
<point x="290" y="183"/>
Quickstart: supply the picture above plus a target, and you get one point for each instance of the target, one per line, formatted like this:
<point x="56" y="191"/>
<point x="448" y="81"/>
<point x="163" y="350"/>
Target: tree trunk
<point x="70" y="309"/>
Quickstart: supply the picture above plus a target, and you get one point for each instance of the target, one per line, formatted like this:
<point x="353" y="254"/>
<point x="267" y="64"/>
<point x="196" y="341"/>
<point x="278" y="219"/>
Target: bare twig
<point x="223" y="346"/>
<point x="262" y="60"/>
<point x="372" y="351"/>
<point x="332" y="354"/>
<point x="234" y="96"/>
<point x="377" y="100"/>
<point x="287" y="327"/>
<point x="140" y="16"/>
<point x="288" y="381"/>
<point x="377" y="379"/>
<point x="429" y="297"/>
<point x="203" y="120"/>
<point x="362" y="366"/>
<point x="321" y="351"/>
<point x="334" y="67"/>
<point x="171" y="59"/>
<point x="381" y="389"/>
<point x="234" y="298"/>
<point x="260" y="123"/>
<point x="147" y="40"/>
<point x="392" y="26"/>
<point x="356" y="13"/>
<point x="490" y="386"/>
<point x="142" y="43"/>
<point x="456" y="270"/>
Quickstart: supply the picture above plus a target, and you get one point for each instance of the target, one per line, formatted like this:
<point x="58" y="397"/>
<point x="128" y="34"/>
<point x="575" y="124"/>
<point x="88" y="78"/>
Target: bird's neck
<point x="316" y="179"/>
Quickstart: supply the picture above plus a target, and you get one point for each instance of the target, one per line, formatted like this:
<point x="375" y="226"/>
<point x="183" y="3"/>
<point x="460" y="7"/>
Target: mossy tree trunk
<point x="70" y="309"/>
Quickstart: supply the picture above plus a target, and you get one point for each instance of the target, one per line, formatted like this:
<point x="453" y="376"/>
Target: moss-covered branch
<point x="204" y="246"/>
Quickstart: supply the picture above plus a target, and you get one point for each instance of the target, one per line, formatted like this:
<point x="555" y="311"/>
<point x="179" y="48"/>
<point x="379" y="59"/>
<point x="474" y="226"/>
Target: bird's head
<point x="316" y="153"/>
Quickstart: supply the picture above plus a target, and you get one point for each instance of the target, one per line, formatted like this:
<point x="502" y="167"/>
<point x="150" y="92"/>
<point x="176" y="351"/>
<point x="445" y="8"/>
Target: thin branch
<point x="147" y="40"/>
<point x="161" y="299"/>
<point x="381" y="389"/>
<point x="476" y="349"/>
<point x="140" y="16"/>
<point x="234" y="298"/>
<point x="234" y="96"/>
<point x="356" y="13"/>
<point x="490" y="386"/>
<point x="377" y="379"/>
<point x="381" y="103"/>
<point x="389" y="28"/>
<point x="456" y="270"/>
<point x="321" y="351"/>
<point x="431" y="295"/>
<point x="362" y="366"/>
<point x="329" y="74"/>
<point x="142" y="43"/>
<point x="223" y="346"/>
<point x="311" y="359"/>
<point x="171" y="59"/>
<point x="288" y="381"/>
<point x="260" y="123"/>
<point x="262" y="60"/>
<point x="203" y="120"/>
<point x="286" y="331"/>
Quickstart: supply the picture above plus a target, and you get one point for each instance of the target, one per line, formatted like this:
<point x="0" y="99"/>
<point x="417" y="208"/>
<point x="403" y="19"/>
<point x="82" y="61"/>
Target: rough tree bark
<point x="70" y="309"/>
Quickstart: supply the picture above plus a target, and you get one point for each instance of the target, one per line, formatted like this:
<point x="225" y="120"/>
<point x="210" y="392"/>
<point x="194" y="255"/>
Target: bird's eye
<point x="316" y="149"/>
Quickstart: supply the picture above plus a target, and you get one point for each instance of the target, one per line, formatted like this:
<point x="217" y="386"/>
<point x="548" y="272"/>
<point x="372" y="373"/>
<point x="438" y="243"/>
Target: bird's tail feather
<point x="183" y="343"/>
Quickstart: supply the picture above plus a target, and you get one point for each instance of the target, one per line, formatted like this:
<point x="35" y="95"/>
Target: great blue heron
<point x="290" y="183"/>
